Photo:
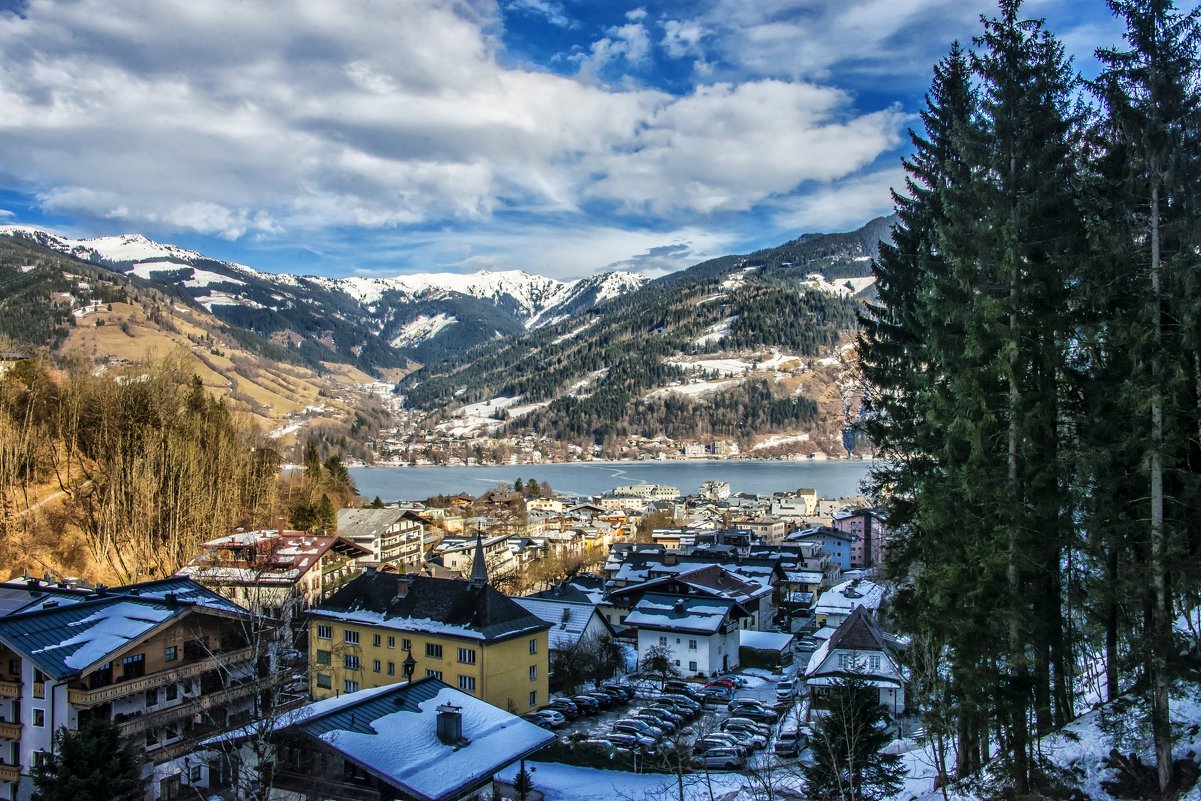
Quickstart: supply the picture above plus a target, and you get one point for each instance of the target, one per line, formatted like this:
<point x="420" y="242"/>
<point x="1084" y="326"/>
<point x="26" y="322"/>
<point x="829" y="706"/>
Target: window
<point x="39" y="684"/>
<point x="692" y="645"/>
<point x="692" y="666"/>
<point x="151" y="738"/>
<point x="133" y="667"/>
<point x="170" y="653"/>
<point x="677" y="663"/>
<point x="874" y="662"/>
<point x="375" y="640"/>
<point x="391" y="668"/>
<point x="194" y="774"/>
<point x="391" y="642"/>
<point x="533" y="646"/>
<point x="437" y="674"/>
<point x="350" y="636"/>
<point x="40" y="758"/>
<point x="533" y="673"/>
<point x="39" y="717"/>
<point x="375" y="666"/>
<point x="844" y="661"/>
<point x="662" y="640"/>
<point x="467" y="656"/>
<point x="324" y="657"/>
<point x="325" y="632"/>
<point x="151" y="697"/>
<point x="324" y="681"/>
<point x="172" y="692"/>
<point x="350" y="686"/>
<point x="467" y="683"/>
<point x="433" y="650"/>
<point x="533" y="698"/>
<point x="350" y="662"/>
<point x="406" y="644"/>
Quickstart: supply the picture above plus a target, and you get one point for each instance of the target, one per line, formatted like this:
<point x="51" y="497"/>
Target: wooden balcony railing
<point x="10" y="773"/>
<point x="111" y="692"/>
<point x="188" y="708"/>
<point x="10" y="689"/>
<point x="10" y="731"/>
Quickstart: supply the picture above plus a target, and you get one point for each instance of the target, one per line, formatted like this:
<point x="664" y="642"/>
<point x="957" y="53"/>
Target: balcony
<point x="10" y="689"/>
<point x="10" y="731"/>
<point x="103" y="695"/>
<point x="189" y="707"/>
<point x="10" y="773"/>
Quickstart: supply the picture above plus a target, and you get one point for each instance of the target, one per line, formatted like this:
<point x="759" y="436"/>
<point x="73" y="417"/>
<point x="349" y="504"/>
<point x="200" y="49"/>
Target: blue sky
<point x="382" y="137"/>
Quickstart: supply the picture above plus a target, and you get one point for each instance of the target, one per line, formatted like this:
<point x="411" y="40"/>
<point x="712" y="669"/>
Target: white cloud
<point x="267" y="119"/>
<point x="842" y="206"/>
<point x="552" y="12"/>
<point x="726" y="148"/>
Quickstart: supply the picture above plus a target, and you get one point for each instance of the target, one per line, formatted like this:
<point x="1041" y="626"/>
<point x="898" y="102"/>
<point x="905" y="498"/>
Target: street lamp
<point x="408" y="666"/>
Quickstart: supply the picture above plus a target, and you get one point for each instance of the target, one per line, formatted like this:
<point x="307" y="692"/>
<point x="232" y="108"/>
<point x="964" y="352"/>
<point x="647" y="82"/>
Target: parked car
<point x="630" y="742"/>
<point x="602" y="698"/>
<point x="761" y="729"/>
<point x="725" y="681"/>
<point x="788" y="743"/>
<point x="671" y="712"/>
<point x="681" y="687"/>
<point x="567" y="708"/>
<point x="716" y="694"/>
<point x="739" y="681"/>
<point x="537" y="720"/>
<point x="748" y="738"/>
<point x="624" y="690"/>
<point x="756" y="712"/>
<point x="653" y="717"/>
<point x="688" y="710"/>
<point x="587" y="704"/>
<point x="786" y="690"/>
<point x="720" y="740"/>
<point x="684" y="700"/>
<point x="720" y="759"/>
<point x="639" y="727"/>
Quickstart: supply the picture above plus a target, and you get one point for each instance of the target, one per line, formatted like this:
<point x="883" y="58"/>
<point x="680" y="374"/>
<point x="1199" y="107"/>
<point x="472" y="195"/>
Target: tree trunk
<point x="1161" y="608"/>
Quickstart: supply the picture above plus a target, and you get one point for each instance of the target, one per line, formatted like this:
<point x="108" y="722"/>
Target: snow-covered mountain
<point x="419" y="316"/>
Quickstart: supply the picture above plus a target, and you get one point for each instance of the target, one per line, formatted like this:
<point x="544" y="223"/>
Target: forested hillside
<point x="609" y="372"/>
<point x="1034" y="374"/>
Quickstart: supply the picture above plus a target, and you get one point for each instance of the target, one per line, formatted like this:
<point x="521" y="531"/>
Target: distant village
<point x="423" y="648"/>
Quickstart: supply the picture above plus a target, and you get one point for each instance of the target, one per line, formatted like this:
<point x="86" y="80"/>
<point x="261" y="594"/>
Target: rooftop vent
<point x="450" y="725"/>
<point x="679" y="606"/>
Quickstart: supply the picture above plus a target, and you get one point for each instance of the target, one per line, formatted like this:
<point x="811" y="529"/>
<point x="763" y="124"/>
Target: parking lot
<point x="756" y="741"/>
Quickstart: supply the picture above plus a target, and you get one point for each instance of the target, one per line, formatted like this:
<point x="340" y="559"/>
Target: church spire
<point x="479" y="567"/>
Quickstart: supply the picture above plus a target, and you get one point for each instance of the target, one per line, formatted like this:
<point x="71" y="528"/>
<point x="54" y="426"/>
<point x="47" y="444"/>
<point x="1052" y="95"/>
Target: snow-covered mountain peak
<point x="118" y="249"/>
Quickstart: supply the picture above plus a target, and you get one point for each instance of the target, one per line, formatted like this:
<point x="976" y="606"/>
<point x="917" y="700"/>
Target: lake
<point x="831" y="479"/>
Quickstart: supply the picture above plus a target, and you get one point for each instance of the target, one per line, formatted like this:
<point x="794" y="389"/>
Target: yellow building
<point x="463" y="632"/>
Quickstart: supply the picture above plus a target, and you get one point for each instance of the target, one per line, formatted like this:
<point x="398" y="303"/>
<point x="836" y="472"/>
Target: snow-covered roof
<point x="68" y="639"/>
<point x="568" y="620"/>
<point x="677" y="613"/>
<point x="391" y="733"/>
<point x="764" y="640"/>
<point x="842" y="598"/>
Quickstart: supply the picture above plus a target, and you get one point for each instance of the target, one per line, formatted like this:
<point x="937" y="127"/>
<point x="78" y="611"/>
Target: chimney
<point x="280" y="523"/>
<point x="171" y="599"/>
<point x="679" y="606"/>
<point x="669" y="559"/>
<point x="370" y="570"/>
<point x="402" y="585"/>
<point x="450" y="725"/>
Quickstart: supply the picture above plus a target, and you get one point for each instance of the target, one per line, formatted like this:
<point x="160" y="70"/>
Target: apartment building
<point x="383" y="628"/>
<point x="170" y="662"/>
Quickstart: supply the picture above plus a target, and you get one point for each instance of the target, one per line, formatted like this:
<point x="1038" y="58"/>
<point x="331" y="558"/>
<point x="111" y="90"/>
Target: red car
<point x="723" y="682"/>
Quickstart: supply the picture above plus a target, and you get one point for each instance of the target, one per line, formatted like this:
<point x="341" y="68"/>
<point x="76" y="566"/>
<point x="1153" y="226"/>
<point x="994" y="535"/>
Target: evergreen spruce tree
<point x="90" y="763"/>
<point x="1151" y="149"/>
<point x="847" y="748"/>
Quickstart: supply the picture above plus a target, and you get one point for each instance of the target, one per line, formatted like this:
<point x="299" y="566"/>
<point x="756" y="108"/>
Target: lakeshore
<point x="831" y="478"/>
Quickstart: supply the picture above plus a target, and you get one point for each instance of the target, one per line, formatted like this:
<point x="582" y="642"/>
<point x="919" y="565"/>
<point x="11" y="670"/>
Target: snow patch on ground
<point x="775" y="440"/>
<point x="422" y="328"/>
<point x="717" y="331"/>
<point x="571" y="783"/>
<point x="842" y="287"/>
<point x="225" y="299"/>
<point x="693" y="390"/>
